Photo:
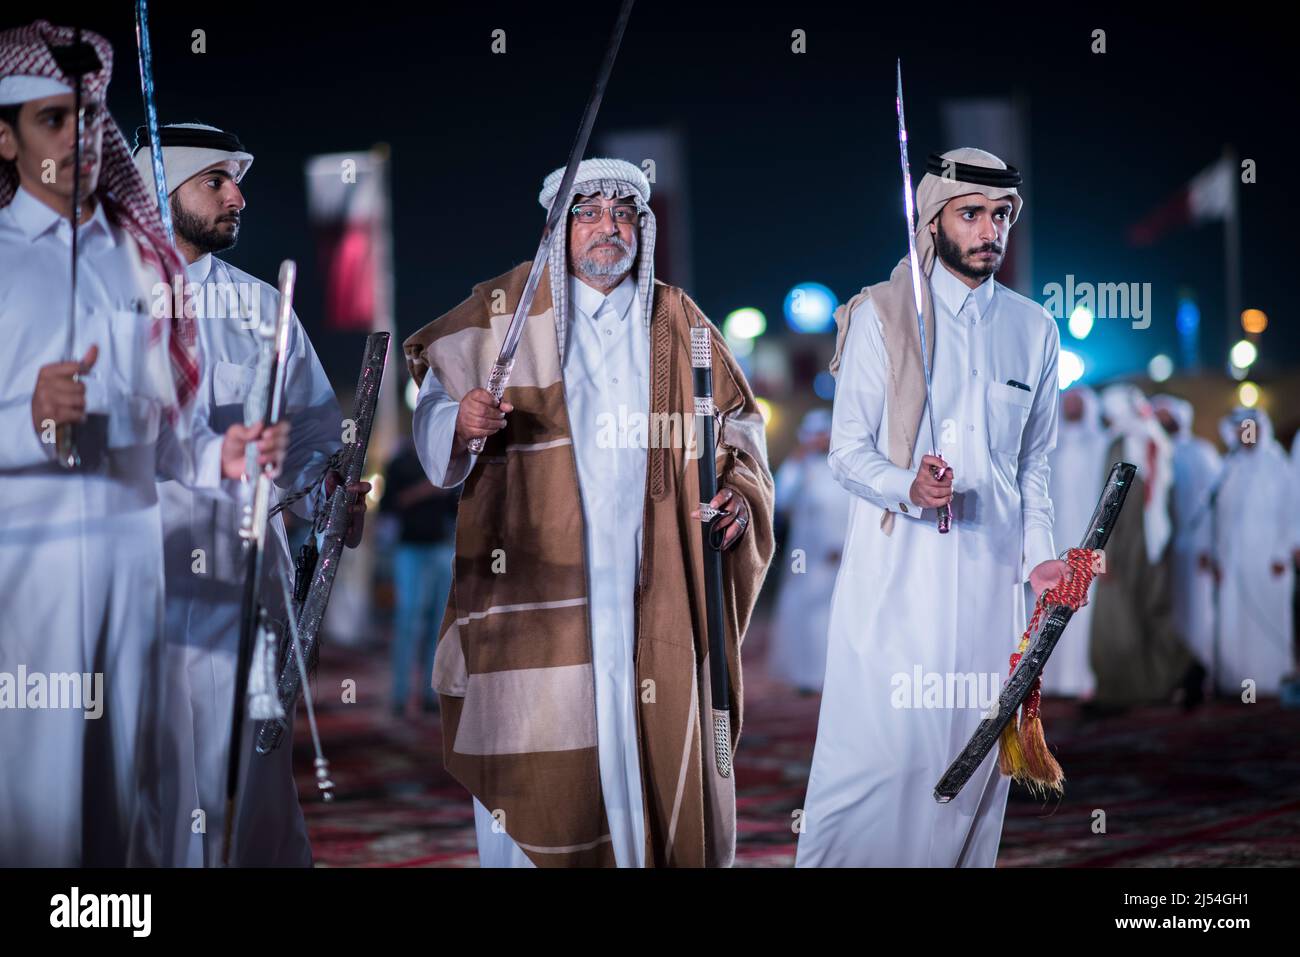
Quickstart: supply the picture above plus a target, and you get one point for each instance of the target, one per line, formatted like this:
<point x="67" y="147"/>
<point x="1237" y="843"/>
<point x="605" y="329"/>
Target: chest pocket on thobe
<point x="230" y="384"/>
<point x="1008" y="411"/>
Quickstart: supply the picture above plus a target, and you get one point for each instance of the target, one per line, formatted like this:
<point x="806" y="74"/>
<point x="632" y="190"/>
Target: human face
<point x="44" y="142"/>
<point x="971" y="235"/>
<point x="206" y="211"/>
<point x="602" y="253"/>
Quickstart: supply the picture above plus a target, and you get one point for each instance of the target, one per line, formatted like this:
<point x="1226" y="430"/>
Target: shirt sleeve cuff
<point x="1038" y="549"/>
<point x="896" y="487"/>
<point x="207" y="461"/>
<point x="457" y="467"/>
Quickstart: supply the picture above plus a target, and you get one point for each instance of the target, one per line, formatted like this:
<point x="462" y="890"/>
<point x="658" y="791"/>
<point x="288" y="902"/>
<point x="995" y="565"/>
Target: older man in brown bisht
<point x="573" y="664"/>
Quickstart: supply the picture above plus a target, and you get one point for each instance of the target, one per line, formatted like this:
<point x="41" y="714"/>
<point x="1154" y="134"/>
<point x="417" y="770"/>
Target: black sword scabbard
<point x="1041" y="644"/>
<point x="329" y="529"/>
<point x="719" y="677"/>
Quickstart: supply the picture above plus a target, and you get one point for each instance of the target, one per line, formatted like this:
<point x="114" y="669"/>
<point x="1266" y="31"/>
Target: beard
<point x="588" y="265"/>
<point x="953" y="257"/>
<point x="205" y="236"/>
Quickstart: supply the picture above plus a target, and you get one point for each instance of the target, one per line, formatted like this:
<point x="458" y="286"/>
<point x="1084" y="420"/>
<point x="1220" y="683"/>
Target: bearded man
<point x="203" y="167"/>
<point x="572" y="664"/>
<point x="81" y="550"/>
<point x="913" y="606"/>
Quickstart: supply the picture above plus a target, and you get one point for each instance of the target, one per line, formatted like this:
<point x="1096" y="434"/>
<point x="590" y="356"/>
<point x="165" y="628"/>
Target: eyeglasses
<point x="589" y="213"/>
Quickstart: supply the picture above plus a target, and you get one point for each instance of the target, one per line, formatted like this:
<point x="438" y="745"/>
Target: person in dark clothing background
<point x="421" y="570"/>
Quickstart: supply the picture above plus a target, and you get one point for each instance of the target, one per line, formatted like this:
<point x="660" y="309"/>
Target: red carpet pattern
<point x="1218" y="787"/>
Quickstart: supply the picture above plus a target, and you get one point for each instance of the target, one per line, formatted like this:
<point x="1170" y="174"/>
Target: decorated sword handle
<point x="497" y="386"/>
<point x="945" y="512"/>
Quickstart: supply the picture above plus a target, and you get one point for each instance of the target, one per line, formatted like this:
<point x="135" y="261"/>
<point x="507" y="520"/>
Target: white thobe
<point x="819" y="513"/>
<point x="205" y="587"/>
<point x="1255" y="614"/>
<point x="81" y="551"/>
<point x="1078" y="466"/>
<point x="1197" y="467"/>
<point x="919" y="608"/>
<point x="606" y="374"/>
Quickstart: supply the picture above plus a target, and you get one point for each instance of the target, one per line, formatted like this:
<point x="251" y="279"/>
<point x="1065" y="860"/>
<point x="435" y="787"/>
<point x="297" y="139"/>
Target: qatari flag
<point x="1211" y="195"/>
<point x="347" y="202"/>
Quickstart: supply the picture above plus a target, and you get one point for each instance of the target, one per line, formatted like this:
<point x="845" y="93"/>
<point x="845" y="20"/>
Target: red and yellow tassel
<point x="1023" y="754"/>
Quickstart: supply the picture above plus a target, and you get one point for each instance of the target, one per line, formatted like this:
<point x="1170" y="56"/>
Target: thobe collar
<point x="953" y="293"/>
<point x="589" y="300"/>
<point x="35" y="219"/>
<point x="198" y="270"/>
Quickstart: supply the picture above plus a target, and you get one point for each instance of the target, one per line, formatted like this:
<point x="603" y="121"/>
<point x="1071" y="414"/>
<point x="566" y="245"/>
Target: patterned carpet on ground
<point x="1218" y="787"/>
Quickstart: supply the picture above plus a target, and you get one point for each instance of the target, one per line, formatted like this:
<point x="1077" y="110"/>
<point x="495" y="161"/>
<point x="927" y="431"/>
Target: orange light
<point x="1254" y="321"/>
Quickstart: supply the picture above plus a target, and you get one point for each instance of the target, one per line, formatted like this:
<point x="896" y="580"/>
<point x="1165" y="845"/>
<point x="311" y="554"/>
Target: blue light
<point x="1188" y="318"/>
<point x="810" y="307"/>
<point x="824" y="385"/>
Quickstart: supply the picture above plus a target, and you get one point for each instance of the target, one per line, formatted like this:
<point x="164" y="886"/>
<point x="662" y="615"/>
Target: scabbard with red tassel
<point x="1017" y="723"/>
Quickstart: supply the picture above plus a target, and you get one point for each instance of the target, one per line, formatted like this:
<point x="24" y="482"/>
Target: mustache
<point x="614" y="241"/>
<point x="986" y="248"/>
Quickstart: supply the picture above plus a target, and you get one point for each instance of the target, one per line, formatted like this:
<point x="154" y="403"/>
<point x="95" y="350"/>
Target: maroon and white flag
<point x="347" y="202"/>
<point x="1210" y="196"/>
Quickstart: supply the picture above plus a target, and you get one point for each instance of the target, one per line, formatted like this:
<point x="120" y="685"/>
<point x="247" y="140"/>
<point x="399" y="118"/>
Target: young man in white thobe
<point x="1197" y="466"/>
<point x="81" y="549"/>
<point x="203" y="167"/>
<point x="922" y="624"/>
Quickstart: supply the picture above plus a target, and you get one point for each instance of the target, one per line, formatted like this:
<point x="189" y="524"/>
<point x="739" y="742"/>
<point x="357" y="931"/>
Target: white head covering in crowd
<point x="815" y="422"/>
<point x="1145" y="444"/>
<point x="1180" y="410"/>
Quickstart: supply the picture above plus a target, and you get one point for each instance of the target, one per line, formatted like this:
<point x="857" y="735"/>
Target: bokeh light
<point x="1069" y="369"/>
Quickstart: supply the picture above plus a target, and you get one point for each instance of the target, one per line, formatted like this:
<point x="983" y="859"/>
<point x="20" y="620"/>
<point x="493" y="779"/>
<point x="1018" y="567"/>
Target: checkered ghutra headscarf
<point x="29" y="71"/>
<point x="613" y="179"/>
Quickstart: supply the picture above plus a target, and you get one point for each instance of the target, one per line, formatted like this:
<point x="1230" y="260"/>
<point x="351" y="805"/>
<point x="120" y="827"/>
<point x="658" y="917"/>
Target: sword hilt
<point x="496" y="385"/>
<point x="945" y="511"/>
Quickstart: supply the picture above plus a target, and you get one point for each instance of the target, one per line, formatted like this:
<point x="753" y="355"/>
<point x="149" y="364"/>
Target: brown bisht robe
<point x="513" y="666"/>
<point x="1135" y="651"/>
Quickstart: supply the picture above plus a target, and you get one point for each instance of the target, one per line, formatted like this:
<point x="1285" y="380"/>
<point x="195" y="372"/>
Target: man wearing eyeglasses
<point x="572" y="661"/>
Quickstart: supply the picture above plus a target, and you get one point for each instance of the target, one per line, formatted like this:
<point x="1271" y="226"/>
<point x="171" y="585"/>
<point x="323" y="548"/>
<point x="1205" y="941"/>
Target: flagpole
<point x="1232" y="248"/>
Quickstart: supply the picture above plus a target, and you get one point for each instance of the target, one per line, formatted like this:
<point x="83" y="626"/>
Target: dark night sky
<point x="793" y="162"/>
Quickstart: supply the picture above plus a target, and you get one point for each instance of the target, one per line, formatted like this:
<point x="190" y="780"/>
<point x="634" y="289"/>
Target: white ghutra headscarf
<point x="613" y="179"/>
